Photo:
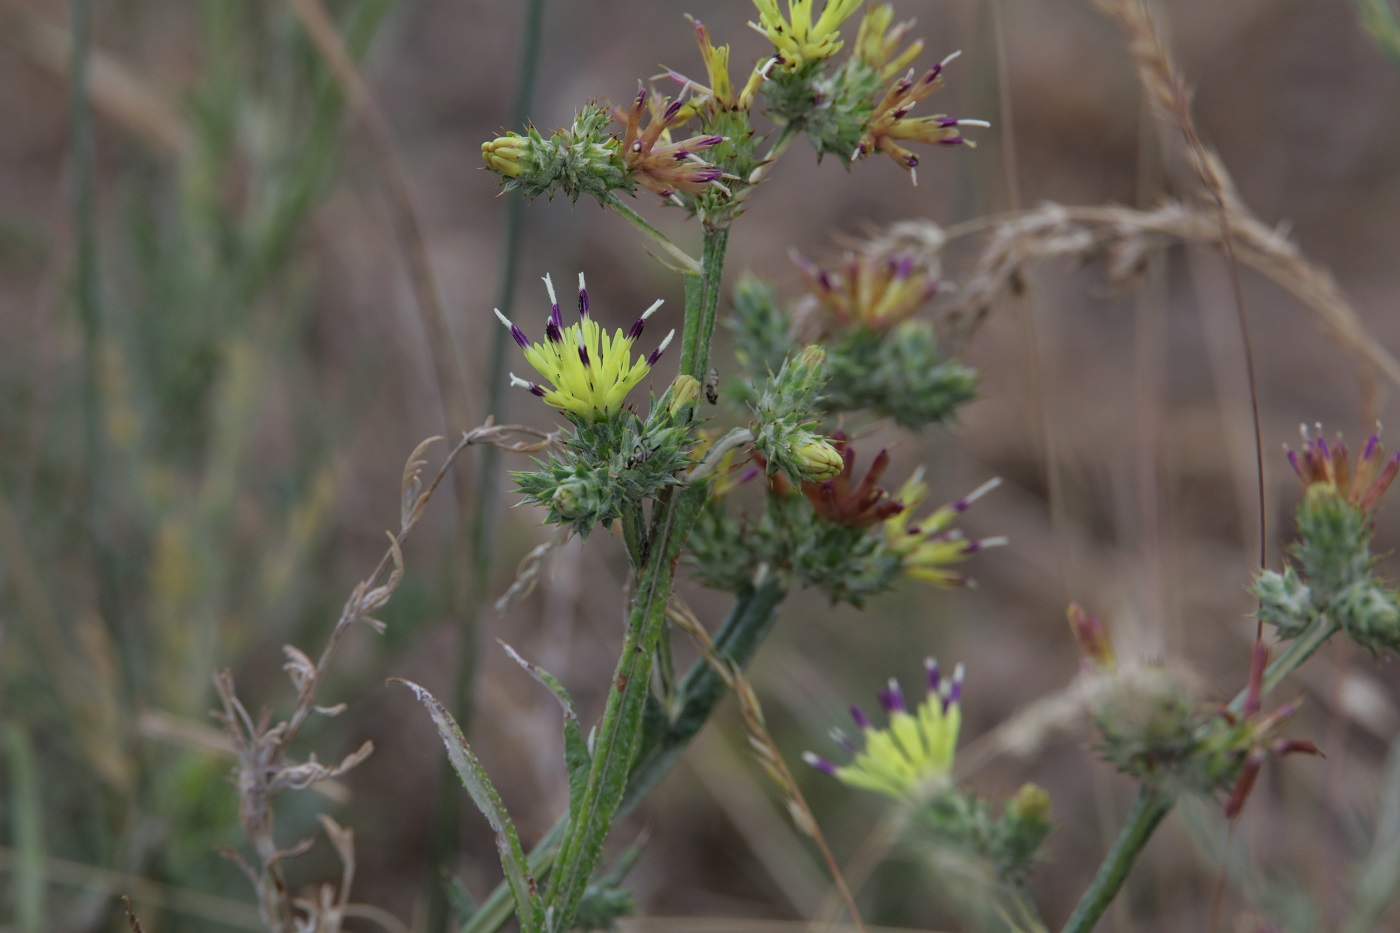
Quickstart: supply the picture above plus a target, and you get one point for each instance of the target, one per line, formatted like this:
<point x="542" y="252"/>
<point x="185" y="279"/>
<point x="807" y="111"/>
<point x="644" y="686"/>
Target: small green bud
<point x="812" y="359"/>
<point x="818" y="460"/>
<point x="1031" y="805"/>
<point x="570" y="499"/>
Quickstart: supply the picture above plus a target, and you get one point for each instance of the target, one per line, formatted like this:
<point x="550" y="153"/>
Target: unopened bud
<point x="1092" y="637"/>
<point x="685" y="390"/>
<point x="1030" y="805"/>
<point x="569" y="499"/>
<point x="819" y="460"/>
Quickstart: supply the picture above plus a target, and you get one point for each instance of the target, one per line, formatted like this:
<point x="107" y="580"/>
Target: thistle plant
<point x="766" y="494"/>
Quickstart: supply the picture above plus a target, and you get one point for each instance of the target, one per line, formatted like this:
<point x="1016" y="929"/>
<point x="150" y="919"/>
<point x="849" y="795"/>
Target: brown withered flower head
<point x="891" y="123"/>
<point x="654" y="161"/>
<point x="858" y="505"/>
<point x="1323" y="464"/>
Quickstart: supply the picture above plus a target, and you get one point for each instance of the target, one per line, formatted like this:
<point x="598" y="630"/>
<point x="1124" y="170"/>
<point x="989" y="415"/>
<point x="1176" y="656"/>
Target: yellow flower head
<point x="876" y="42"/>
<point x="796" y="38"/>
<point x="926" y="548"/>
<point x="912" y="757"/>
<point x="590" y="372"/>
<point x="875" y="291"/>
<point x="890" y="122"/>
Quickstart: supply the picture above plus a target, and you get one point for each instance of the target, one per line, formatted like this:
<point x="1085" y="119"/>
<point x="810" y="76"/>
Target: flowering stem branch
<point x="620" y="734"/>
<point x="687" y="262"/>
<point x="1152" y="806"/>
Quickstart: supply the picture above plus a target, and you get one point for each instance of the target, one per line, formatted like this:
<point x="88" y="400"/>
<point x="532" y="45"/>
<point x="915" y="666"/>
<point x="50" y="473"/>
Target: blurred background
<point x="212" y="368"/>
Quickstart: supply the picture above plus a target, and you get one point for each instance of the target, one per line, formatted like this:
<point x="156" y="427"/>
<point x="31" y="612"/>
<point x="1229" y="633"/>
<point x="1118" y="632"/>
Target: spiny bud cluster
<point x="583" y="159"/>
<point x="1333" y="578"/>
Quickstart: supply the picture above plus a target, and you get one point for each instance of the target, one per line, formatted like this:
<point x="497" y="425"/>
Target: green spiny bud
<point x="584" y="159"/>
<point x="571" y="499"/>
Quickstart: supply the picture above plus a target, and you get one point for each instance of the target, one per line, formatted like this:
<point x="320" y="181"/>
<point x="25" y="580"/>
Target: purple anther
<point x="947" y="121"/>
<point x="911" y="161"/>
<point x="583" y="353"/>
<point x="952" y="141"/>
<point x="858" y="714"/>
<point x="536" y="390"/>
<point x="824" y="278"/>
<point x="1371" y="447"/>
<point x="1323" y="449"/>
<point x="900" y="113"/>
<point x="636" y="329"/>
<point x="820" y="763"/>
<point x="641" y="97"/>
<point x="933" y="74"/>
<point x="707" y="174"/>
<point x="672" y="110"/>
<point x="519" y="336"/>
<point x="902" y="85"/>
<point x="972" y="547"/>
<point x="931" y="669"/>
<point x="1293" y="461"/>
<point x="583" y="302"/>
<point x="892" y="698"/>
<point x="682" y="155"/>
<point x="667" y="193"/>
<point x="552" y="333"/>
<point x="904" y="268"/>
<point x="709" y="141"/>
<point x="556" y="318"/>
<point x="655" y="355"/>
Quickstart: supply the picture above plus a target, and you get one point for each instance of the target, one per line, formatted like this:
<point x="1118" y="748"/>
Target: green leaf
<point x="576" y="757"/>
<point x="529" y="907"/>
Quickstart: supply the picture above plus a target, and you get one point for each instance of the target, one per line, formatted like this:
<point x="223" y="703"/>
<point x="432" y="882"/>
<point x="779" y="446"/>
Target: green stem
<point x="1148" y="811"/>
<point x="1380" y="20"/>
<point x="749" y="622"/>
<point x="703" y="292"/>
<point x="1152" y="806"/>
<point x="687" y="263"/>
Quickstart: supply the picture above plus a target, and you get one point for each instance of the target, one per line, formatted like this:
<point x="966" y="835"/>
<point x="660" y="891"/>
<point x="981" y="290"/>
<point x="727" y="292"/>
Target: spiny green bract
<point x="783" y="431"/>
<point x="901" y="375"/>
<point x="609" y="465"/>
<point x="1334" y="577"/>
<point x="843" y="107"/>
<point x="1009" y="844"/>
<point x="735" y="157"/>
<point x="848" y="564"/>
<point x="762" y="332"/>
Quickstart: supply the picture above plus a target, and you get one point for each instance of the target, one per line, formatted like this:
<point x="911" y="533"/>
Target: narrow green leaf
<point x="529" y="907"/>
<point x="576" y="758"/>
<point x="26" y="831"/>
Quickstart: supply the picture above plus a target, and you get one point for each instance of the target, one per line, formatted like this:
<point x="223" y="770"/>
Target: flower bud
<point x="570" y="499"/>
<point x="684" y="392"/>
<point x="1031" y="805"/>
<point x="818" y="460"/>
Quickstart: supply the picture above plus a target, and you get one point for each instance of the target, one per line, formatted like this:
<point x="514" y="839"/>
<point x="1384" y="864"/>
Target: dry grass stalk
<point x="263" y="772"/>
<point x="1124" y="238"/>
<point x="765" y="750"/>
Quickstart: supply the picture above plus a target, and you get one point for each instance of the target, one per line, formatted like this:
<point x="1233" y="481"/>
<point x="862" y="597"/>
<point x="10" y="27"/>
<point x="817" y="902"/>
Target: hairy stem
<point x="749" y="622"/>
<point x="685" y="261"/>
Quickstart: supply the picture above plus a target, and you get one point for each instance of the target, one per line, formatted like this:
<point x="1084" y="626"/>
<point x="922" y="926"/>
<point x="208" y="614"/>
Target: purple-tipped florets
<point x="858" y="714"/>
<point x="892" y="698"/>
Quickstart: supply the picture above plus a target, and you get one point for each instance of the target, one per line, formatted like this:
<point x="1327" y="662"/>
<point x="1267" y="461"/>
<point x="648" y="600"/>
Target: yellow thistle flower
<point x="796" y="39"/>
<point x="876" y="42"/>
<point x="874" y="291"/>
<point x="890" y="121"/>
<point x="912" y="757"/>
<point x="590" y="372"/>
<point x="926" y="548"/>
